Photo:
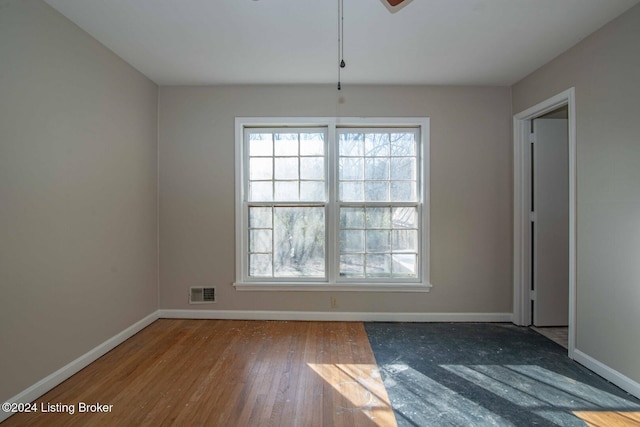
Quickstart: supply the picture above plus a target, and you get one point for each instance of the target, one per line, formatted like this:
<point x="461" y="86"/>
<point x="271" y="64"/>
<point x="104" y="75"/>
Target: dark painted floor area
<point x="475" y="374"/>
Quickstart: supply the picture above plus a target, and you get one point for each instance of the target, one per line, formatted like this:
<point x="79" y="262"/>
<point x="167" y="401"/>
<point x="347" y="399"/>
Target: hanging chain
<point x="341" y="63"/>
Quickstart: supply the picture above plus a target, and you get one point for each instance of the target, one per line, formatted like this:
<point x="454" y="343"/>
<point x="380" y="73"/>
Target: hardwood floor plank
<point x="609" y="418"/>
<point x="228" y="373"/>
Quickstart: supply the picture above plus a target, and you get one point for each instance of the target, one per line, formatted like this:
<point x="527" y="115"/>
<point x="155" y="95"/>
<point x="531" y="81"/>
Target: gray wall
<point x="78" y="194"/>
<point x="605" y="70"/>
<point x="471" y="195"/>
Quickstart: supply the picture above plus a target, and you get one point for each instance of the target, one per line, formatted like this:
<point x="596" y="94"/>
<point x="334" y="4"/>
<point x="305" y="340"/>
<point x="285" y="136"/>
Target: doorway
<point x="550" y="219"/>
<point x="544" y="235"/>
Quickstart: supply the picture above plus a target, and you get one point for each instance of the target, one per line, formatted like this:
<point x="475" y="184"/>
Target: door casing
<point x="521" y="210"/>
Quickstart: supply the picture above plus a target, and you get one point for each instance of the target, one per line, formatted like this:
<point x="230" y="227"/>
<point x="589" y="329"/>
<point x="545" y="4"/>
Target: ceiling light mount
<point x="395" y="5"/>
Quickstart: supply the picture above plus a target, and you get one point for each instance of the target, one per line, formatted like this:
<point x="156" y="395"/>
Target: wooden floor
<point x="228" y="373"/>
<point x="609" y="418"/>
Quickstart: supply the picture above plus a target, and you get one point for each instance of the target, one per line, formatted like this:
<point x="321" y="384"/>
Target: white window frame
<point x="332" y="282"/>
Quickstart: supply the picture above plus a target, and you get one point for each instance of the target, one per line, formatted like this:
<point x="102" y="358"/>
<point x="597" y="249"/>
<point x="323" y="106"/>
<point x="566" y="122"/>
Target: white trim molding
<point x="346" y="287"/>
<point x="62" y="374"/>
<point x="331" y="279"/>
<point x="334" y="316"/>
<point x="622" y="381"/>
<point x="521" y="219"/>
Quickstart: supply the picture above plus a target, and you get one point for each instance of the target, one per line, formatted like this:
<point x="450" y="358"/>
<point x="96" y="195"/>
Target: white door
<point x="551" y="222"/>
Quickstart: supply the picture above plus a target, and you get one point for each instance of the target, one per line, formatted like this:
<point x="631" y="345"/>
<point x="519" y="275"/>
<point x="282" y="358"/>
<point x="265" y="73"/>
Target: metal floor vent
<point x="202" y="295"/>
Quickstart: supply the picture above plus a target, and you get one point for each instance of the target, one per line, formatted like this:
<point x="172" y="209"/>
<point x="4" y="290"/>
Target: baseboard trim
<point x="608" y="373"/>
<point x="334" y="316"/>
<point x="49" y="382"/>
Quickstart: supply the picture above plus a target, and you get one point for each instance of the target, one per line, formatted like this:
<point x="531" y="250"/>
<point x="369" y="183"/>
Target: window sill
<point x="342" y="287"/>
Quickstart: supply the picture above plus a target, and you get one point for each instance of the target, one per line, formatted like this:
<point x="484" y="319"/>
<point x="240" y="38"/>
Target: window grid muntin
<point x="274" y="204"/>
<point x="390" y="229"/>
<point x="388" y="154"/>
<point x="362" y="135"/>
<point x="273" y="132"/>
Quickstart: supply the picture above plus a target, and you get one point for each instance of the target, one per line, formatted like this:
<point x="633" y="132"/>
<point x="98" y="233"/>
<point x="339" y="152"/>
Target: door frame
<point x="521" y="212"/>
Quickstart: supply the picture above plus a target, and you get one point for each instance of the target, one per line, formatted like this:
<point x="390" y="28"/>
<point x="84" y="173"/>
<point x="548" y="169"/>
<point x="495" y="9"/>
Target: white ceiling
<point x="443" y="42"/>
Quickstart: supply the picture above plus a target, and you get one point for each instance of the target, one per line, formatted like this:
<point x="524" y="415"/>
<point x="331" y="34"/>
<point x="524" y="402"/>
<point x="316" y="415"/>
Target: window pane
<point x="286" y="191"/>
<point x="312" y="191"/>
<point x="405" y="241"/>
<point x="376" y="191"/>
<point x="260" y="265"/>
<point x="378" y="265"/>
<point x="376" y="144"/>
<point x="389" y="238"/>
<point x="404" y="265"/>
<point x="351" y="168"/>
<point x="378" y="241"/>
<point x="312" y="168"/>
<point x="405" y="217"/>
<point x="403" y="168"/>
<point x="261" y="191"/>
<point x="378" y="218"/>
<point x="351" y="192"/>
<point x="299" y="246"/>
<point x="403" y="191"/>
<point x="260" y="144"/>
<point x="260" y="168"/>
<point x="286" y="144"/>
<point x="352" y="241"/>
<point x="260" y="241"/>
<point x="351" y="265"/>
<point x="351" y="144"/>
<point x="286" y="168"/>
<point x="377" y="169"/>
<point x="352" y="218"/>
<point x="403" y="144"/>
<point x="311" y="144"/>
<point x="259" y="217"/>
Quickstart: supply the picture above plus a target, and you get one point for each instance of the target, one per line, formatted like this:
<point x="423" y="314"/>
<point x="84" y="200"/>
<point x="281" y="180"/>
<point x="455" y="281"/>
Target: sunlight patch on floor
<point x="609" y="418"/>
<point x="357" y="388"/>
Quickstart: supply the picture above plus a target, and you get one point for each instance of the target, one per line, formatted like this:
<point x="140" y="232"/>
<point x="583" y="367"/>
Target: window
<point x="286" y="202"/>
<point x="332" y="203"/>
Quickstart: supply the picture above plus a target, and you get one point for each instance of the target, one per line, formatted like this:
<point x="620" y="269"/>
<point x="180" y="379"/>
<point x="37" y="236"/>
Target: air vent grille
<point x="202" y="295"/>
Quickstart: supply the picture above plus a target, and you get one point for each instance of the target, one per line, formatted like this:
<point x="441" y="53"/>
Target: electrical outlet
<point x="334" y="302"/>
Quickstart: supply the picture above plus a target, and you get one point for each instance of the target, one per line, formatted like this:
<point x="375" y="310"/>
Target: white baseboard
<point x="334" y="316"/>
<point x="622" y="381"/>
<point x="49" y="382"/>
